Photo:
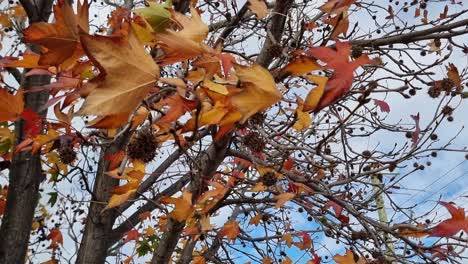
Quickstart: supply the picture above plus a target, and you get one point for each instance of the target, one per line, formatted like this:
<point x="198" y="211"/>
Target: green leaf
<point x="5" y="146"/>
<point x="52" y="198"/>
<point x="157" y="15"/>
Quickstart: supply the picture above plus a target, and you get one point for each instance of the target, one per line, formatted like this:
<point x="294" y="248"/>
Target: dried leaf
<point x="259" y="8"/>
<point x="230" y="230"/>
<point x="11" y="106"/>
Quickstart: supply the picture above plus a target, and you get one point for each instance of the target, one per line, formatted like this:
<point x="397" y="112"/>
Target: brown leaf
<point x="127" y="73"/>
<point x="11" y="106"/>
<point x="259" y="8"/>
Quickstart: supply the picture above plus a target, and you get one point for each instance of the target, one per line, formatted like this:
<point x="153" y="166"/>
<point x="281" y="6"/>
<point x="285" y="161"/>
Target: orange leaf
<point x="11" y="106"/>
<point x="336" y="6"/>
<point x="199" y="260"/>
<point x="303" y="119"/>
<point x="259" y="8"/>
<point x="349" y="258"/>
<point x="452" y="74"/>
<point x="60" y="39"/>
<point x="283" y="198"/>
<point x="288" y="239"/>
<point x="118" y="93"/>
<point x="118" y="199"/>
<point x="299" y="66"/>
<point x="230" y="230"/>
<point x="183" y="206"/>
<point x="144" y="215"/>
<point x="256" y="220"/>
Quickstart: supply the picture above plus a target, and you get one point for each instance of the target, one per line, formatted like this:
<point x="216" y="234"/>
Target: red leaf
<point x="384" y="107"/>
<point x="417" y="129"/>
<point x="56" y="238"/>
<point x="288" y="164"/>
<point x="452" y="226"/>
<point x="33" y="123"/>
<point x="131" y="235"/>
<point x="341" y="80"/>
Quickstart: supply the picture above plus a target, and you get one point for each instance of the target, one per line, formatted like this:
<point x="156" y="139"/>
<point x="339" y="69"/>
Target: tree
<point x="228" y="131"/>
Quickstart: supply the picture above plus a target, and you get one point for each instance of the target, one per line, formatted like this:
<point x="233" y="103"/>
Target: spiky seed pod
<point x="433" y="92"/>
<point x="447" y="85"/>
<point x="269" y="179"/>
<point x="66" y="154"/>
<point x="447" y="110"/>
<point x="257" y="119"/>
<point x="143" y="146"/>
<point x="254" y="141"/>
<point x="356" y="52"/>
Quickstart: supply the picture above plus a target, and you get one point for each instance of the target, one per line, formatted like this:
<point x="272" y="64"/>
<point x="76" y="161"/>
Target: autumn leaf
<point x="417" y="231"/>
<point x="157" y="15"/>
<point x="452" y="74"/>
<point x="29" y="60"/>
<point x="342" y="78"/>
<point x="281" y="199"/>
<point x="56" y="238"/>
<point x="131" y="235"/>
<point x="230" y="230"/>
<point x="185" y="43"/>
<point x="198" y="260"/>
<point x="288" y="239"/>
<point x="11" y="106"/>
<point x="287" y="260"/>
<point x="384" y="107"/>
<point x="118" y="199"/>
<point x="259" y="8"/>
<point x="300" y="66"/>
<point x="60" y="40"/>
<point x="33" y="122"/>
<point x="306" y="241"/>
<point x="258" y="91"/>
<point x="303" y="118"/>
<point x="256" y="220"/>
<point x="453" y="225"/>
<point x="313" y="97"/>
<point x="336" y="6"/>
<point x="340" y="24"/>
<point x="183" y="206"/>
<point x="127" y="73"/>
<point x="417" y="130"/>
<point x="349" y="258"/>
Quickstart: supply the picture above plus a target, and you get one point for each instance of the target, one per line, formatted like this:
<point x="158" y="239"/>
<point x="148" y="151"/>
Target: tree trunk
<point x="25" y="170"/>
<point x="24" y="179"/>
<point x="97" y="237"/>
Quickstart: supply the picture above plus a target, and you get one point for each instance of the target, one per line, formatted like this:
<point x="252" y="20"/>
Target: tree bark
<point x="97" y="236"/>
<point x="25" y="171"/>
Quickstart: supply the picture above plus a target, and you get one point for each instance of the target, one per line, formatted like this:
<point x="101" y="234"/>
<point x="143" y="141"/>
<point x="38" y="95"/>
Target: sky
<point x="446" y="179"/>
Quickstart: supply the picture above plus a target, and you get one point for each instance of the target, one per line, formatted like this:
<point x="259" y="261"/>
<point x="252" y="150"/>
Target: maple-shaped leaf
<point x="230" y="230"/>
<point x="185" y="43"/>
<point x="313" y="97"/>
<point x="384" y="107"/>
<point x="256" y="220"/>
<point x="258" y="91"/>
<point x="55" y="237"/>
<point x="453" y="225"/>
<point x="11" y="106"/>
<point x="299" y="66"/>
<point x="288" y="239"/>
<point x="127" y="73"/>
<point x="340" y="24"/>
<point x="131" y="235"/>
<point x="281" y="199"/>
<point x="336" y="6"/>
<point x="33" y="123"/>
<point x="306" y="241"/>
<point x="349" y="258"/>
<point x="60" y="40"/>
<point x="259" y="8"/>
<point x="183" y="206"/>
<point x="341" y="80"/>
<point x="157" y="15"/>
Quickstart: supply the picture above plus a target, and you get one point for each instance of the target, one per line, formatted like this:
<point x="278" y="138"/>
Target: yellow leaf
<point x="303" y="118"/>
<point x="258" y="91"/>
<point x="183" y="206"/>
<point x="259" y="8"/>
<point x="259" y="187"/>
<point x="313" y="98"/>
<point x="283" y="198"/>
<point x="118" y="199"/>
<point x="186" y="43"/>
<point x="300" y="66"/>
<point x="230" y="230"/>
<point x="118" y="93"/>
<point x="215" y="87"/>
